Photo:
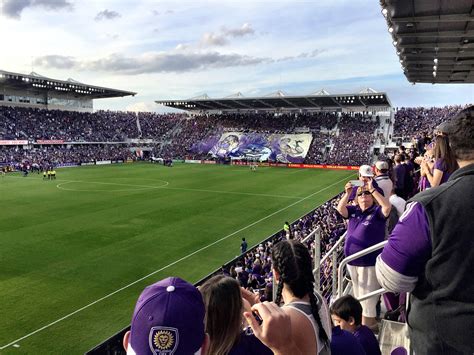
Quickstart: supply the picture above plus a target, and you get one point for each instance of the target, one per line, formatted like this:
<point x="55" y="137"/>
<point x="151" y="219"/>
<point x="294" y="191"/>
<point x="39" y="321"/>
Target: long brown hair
<point x="442" y="150"/>
<point x="292" y="261"/>
<point x="223" y="301"/>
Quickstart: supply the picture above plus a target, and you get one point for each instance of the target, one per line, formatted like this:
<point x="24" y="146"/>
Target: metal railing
<point x="330" y="271"/>
<point x="325" y="268"/>
<point x="340" y="276"/>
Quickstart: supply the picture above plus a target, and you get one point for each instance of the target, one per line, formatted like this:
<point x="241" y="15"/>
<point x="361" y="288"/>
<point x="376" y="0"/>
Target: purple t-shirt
<point x="440" y="164"/>
<point x="365" y="229"/>
<point x="400" y="172"/>
<point x="249" y="345"/>
<point x="424" y="183"/>
<point x="368" y="340"/>
<point x="345" y="343"/>
<point x="409" y="246"/>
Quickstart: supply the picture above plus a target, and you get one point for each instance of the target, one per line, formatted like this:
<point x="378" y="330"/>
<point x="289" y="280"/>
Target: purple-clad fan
<point x="225" y="307"/>
<point x="445" y="163"/>
<point x="430" y="253"/>
<point x="168" y="319"/>
<point x="366" y="228"/>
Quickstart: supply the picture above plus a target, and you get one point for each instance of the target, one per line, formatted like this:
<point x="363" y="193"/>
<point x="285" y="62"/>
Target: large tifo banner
<point x="284" y="148"/>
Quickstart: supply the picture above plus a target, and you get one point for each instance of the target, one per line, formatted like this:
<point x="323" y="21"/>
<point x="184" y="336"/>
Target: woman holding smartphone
<point x="366" y="227"/>
<point x="445" y="163"/>
<point x="228" y="332"/>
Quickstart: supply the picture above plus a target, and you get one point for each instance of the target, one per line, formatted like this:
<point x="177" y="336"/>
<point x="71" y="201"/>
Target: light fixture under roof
<point x="435" y="60"/>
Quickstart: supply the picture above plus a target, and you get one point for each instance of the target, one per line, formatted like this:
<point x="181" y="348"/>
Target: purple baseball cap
<point x="168" y="319"/>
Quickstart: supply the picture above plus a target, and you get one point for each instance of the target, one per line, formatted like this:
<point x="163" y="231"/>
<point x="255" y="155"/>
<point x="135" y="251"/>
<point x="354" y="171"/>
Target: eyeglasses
<point x="364" y="193"/>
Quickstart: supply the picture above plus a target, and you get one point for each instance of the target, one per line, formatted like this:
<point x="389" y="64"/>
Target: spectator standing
<point x="430" y="254"/>
<point x="382" y="178"/>
<point x="366" y="227"/>
<point x="224" y="317"/>
<point x="400" y="176"/>
<point x="445" y="163"/>
<point x="287" y="230"/>
<point x="308" y="311"/>
<point x="426" y="167"/>
<point x="243" y="246"/>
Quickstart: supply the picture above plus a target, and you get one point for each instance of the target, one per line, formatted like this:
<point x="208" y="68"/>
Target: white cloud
<point x="160" y="50"/>
<point x="151" y="62"/>
<point x="14" y="8"/>
<point x="225" y="34"/>
<point x="141" y="107"/>
<point x="107" y="15"/>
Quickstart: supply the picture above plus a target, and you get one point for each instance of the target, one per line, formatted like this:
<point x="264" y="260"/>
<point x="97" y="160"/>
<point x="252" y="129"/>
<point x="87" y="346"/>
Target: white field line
<point x="229" y="192"/>
<point x="144" y="187"/>
<point x="166" y="267"/>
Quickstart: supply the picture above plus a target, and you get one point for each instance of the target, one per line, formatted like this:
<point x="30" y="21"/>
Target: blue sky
<point x="177" y="50"/>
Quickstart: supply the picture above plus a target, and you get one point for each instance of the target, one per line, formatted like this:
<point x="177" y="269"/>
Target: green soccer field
<point x="76" y="252"/>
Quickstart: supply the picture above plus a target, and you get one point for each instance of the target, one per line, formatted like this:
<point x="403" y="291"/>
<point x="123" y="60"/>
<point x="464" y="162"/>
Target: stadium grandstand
<point x="379" y="196"/>
<point x="352" y="130"/>
<point x="367" y="100"/>
<point x="38" y="91"/>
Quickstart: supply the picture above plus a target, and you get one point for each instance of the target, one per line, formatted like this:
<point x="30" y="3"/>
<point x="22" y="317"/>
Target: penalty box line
<point x="166" y="267"/>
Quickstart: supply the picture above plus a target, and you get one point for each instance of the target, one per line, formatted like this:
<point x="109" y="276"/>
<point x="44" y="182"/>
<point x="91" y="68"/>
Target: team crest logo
<point x="163" y="340"/>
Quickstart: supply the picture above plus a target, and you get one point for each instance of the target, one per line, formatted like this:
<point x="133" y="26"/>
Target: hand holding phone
<point x="356" y="183"/>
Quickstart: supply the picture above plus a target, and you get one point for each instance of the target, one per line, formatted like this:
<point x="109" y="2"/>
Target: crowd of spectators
<point x="352" y="144"/>
<point x="317" y="150"/>
<point x="253" y="269"/>
<point x="177" y="133"/>
<point x="57" y="155"/>
<point x="337" y="139"/>
<point x="37" y="124"/>
<point x="413" y="122"/>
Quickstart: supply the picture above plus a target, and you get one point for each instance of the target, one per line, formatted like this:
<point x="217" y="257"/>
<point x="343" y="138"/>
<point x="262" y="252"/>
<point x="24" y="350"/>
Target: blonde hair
<point x="362" y="189"/>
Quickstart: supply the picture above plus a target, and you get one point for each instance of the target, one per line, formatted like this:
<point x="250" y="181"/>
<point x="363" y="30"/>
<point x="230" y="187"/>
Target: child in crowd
<point x="346" y="312"/>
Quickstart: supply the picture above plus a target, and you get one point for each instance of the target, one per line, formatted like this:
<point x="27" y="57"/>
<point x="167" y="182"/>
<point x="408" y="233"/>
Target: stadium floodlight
<point x="435" y="60"/>
<point x="384" y="12"/>
<point x="435" y="67"/>
<point x="394" y="43"/>
<point x="390" y="29"/>
<point x="434" y="74"/>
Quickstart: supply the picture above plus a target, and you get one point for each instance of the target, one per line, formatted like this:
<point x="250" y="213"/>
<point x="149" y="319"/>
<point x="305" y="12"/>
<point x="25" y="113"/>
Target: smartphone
<point x="257" y="317"/>
<point x="356" y="183"/>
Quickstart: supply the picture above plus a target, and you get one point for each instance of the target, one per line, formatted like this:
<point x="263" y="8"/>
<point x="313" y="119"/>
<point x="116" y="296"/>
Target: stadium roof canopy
<point x="433" y="39"/>
<point x="322" y="100"/>
<point x="35" y="81"/>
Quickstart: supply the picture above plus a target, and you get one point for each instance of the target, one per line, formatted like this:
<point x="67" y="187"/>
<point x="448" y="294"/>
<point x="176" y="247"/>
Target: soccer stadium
<point x="328" y="213"/>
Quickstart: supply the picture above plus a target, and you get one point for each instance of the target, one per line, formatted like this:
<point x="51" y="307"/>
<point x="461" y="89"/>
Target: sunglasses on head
<point x="364" y="193"/>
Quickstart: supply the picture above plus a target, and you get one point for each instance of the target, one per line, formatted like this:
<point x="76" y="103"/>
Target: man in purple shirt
<point x="430" y="253"/>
